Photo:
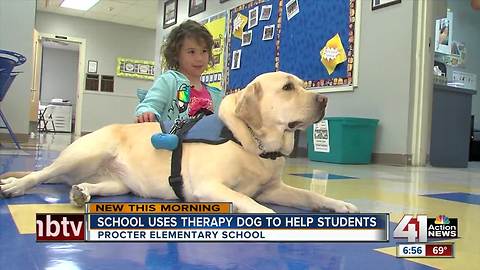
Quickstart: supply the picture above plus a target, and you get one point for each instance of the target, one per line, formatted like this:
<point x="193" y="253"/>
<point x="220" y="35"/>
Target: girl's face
<point x="193" y="58"/>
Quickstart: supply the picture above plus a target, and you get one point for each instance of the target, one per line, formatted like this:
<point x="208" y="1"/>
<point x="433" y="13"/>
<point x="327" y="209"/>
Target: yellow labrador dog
<point x="118" y="159"/>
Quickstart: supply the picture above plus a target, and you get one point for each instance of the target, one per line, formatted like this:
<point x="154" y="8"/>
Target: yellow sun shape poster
<point x="238" y="25"/>
<point x="333" y="54"/>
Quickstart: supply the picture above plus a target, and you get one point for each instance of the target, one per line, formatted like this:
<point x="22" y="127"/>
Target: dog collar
<point x="270" y="155"/>
<point x="227" y="134"/>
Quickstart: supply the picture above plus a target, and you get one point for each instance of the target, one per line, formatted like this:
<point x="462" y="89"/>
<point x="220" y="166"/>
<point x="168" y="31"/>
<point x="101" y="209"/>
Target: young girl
<point x="178" y="91"/>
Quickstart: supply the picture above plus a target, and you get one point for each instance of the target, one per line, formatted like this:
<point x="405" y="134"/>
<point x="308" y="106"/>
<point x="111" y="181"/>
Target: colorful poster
<point x="333" y="54"/>
<point x="132" y="68"/>
<point x="458" y="55"/>
<point x="214" y="75"/>
<point x="239" y="24"/>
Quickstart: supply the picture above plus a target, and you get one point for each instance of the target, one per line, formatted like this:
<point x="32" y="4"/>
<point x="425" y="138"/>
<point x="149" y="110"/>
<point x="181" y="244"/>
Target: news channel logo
<point x="421" y="228"/>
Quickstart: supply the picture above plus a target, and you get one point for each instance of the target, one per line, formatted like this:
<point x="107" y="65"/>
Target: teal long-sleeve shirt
<point x="164" y="98"/>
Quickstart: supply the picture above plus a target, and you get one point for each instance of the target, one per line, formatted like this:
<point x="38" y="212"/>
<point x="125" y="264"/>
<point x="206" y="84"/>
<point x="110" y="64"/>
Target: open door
<point x="422" y="81"/>
<point x="36" y="76"/>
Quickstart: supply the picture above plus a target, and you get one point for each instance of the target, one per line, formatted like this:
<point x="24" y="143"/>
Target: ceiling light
<point x="79" y="4"/>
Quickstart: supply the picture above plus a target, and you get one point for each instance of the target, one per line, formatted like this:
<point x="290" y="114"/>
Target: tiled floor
<point x="373" y="188"/>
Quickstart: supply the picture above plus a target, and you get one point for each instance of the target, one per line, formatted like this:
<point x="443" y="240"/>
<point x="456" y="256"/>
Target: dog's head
<point x="276" y="104"/>
<point x="279" y="99"/>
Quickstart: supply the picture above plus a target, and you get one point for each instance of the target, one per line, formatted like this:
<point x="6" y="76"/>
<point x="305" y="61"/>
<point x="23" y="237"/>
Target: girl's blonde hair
<point x="187" y="29"/>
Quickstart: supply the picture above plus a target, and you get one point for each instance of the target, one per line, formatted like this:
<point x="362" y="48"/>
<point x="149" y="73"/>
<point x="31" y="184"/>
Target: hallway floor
<point x="373" y="188"/>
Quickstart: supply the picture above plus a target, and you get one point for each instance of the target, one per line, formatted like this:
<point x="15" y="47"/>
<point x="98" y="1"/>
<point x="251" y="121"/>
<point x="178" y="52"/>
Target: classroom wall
<point x="105" y="42"/>
<point x="384" y="75"/>
<point x="103" y="109"/>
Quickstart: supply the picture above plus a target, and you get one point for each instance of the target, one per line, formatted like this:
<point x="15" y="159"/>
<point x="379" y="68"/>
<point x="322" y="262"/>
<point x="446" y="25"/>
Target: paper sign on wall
<point x="321" y="142"/>
<point x="443" y="34"/>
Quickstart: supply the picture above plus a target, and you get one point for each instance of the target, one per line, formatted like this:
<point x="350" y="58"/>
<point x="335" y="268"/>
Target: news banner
<point x="215" y="222"/>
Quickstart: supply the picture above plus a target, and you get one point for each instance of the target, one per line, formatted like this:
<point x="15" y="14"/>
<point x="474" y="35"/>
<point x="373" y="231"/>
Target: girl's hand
<point x="146" y="117"/>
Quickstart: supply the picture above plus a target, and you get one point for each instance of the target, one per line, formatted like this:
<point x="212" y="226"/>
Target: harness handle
<point x="176" y="179"/>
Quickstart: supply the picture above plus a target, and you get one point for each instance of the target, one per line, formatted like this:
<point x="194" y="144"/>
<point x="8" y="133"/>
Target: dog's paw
<point x="344" y="207"/>
<point x="12" y="187"/>
<point x="79" y="195"/>
<point x="7" y="180"/>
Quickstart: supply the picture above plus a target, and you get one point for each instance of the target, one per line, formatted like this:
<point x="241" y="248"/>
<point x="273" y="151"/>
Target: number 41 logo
<point x="412" y="228"/>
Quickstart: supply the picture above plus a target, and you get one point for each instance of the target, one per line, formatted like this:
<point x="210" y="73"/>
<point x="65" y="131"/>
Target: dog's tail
<point x="14" y="174"/>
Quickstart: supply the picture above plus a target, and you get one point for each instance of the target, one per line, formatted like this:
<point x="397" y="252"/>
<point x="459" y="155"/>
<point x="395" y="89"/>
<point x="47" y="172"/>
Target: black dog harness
<point x="206" y="129"/>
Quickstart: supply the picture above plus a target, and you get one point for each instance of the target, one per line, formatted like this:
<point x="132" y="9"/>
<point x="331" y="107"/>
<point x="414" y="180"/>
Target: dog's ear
<point x="248" y="105"/>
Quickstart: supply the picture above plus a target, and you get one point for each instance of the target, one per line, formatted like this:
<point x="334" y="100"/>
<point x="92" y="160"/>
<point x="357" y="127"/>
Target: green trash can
<point x="347" y="140"/>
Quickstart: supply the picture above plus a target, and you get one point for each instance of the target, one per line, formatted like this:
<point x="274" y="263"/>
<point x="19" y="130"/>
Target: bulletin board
<point x="312" y="39"/>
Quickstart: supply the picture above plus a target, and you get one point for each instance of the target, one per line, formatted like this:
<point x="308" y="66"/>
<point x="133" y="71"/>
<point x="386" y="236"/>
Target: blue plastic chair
<point x="8" y="61"/>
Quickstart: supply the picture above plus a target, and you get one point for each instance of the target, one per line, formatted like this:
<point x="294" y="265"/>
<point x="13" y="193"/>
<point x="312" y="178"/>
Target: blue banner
<point x="238" y="221"/>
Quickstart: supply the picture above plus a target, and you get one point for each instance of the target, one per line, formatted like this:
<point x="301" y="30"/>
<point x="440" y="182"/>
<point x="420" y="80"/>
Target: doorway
<point x="58" y="80"/>
<point x="458" y="67"/>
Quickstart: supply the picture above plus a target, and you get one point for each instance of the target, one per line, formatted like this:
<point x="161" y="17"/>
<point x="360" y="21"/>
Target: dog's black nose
<point x="322" y="100"/>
